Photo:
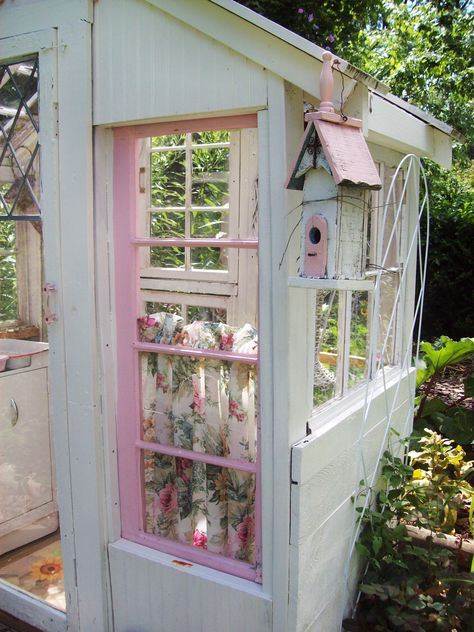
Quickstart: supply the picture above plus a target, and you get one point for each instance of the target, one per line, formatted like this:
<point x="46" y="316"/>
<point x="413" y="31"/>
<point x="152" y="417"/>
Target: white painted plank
<point x="266" y="401"/>
<point x="105" y="285"/>
<point x="315" y="500"/>
<point x="76" y="293"/>
<point x="141" y="72"/>
<point x="27" y="16"/>
<point x="21" y="44"/>
<point x="289" y="62"/>
<point x="330" y="284"/>
<point x="412" y="134"/>
<point x="48" y="138"/>
<point x="148" y="587"/>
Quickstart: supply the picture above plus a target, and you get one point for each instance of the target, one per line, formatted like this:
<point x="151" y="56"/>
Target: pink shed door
<point x="186" y="234"/>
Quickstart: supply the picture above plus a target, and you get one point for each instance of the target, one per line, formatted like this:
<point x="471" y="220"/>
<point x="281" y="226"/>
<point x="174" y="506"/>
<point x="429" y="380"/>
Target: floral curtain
<point x="207" y="406"/>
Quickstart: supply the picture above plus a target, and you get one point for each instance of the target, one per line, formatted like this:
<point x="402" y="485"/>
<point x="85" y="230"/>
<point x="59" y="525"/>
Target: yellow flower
<point x="47" y="570"/>
<point x="417" y="475"/>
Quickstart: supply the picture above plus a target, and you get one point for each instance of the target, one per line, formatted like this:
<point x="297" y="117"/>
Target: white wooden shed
<point x="204" y="481"/>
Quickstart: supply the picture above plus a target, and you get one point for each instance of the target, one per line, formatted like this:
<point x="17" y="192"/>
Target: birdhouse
<point x="336" y="172"/>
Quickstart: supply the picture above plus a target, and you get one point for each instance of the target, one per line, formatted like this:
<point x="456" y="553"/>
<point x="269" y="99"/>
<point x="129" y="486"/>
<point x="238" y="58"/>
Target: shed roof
<point x="315" y="51"/>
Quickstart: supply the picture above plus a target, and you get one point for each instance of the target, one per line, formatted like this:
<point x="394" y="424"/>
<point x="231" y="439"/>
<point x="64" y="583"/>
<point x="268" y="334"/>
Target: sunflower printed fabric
<point x="208" y="406"/>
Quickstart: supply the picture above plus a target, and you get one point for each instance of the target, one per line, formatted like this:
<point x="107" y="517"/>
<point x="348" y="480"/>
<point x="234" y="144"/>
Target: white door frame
<point x="66" y="199"/>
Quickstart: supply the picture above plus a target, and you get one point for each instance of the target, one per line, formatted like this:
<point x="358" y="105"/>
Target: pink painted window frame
<point x="127" y="288"/>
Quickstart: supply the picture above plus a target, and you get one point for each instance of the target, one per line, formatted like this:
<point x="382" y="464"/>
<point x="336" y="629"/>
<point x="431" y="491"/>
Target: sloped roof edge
<point x="316" y="52"/>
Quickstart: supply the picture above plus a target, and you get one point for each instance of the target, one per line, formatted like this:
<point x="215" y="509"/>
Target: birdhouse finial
<point x="326" y="84"/>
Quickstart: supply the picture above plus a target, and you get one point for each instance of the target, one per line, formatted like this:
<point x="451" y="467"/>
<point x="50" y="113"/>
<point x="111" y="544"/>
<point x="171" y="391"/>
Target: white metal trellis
<point x="409" y="166"/>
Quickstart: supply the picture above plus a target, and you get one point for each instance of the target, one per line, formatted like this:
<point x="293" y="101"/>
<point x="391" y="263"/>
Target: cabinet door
<point x="25" y="449"/>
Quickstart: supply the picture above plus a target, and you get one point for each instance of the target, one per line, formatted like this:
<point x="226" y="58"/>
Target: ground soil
<point x="450" y="387"/>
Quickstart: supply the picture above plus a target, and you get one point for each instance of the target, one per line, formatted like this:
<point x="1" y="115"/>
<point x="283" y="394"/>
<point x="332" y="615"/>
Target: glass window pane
<point x="168" y="178"/>
<point x="210" y="224"/>
<point x="326" y="346"/>
<point x="202" y="505"/>
<point x="389" y="284"/>
<point x="359" y="342"/>
<point x="169" y="308"/>
<point x="167" y="224"/>
<point x="209" y="258"/>
<point x="209" y="314"/>
<point x="8" y="282"/>
<point x="172" y="258"/>
<point x="192" y="312"/>
<point x="19" y="145"/>
<point x="170" y="140"/>
<point x="210" y="186"/>
<point x="219" y="136"/>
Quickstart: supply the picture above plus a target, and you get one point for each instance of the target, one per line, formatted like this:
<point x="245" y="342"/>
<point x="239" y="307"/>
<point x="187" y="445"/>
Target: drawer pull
<point x="15" y="413"/>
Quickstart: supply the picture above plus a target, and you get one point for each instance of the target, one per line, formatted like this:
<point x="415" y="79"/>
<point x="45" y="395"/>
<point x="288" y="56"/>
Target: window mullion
<point x="188" y="198"/>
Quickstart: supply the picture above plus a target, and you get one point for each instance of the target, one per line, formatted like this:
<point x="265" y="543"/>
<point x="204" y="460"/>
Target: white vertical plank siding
<point x="148" y="65"/>
<point x="151" y="592"/>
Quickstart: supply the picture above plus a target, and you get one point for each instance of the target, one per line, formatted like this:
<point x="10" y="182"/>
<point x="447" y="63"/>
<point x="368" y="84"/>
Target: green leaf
<point x="377" y="544"/>
<point x="362" y="549"/>
<point x="457" y="424"/>
<point x="469" y="386"/>
<point x="444" y="352"/>
<point x="434" y="405"/>
<point x="416" y="604"/>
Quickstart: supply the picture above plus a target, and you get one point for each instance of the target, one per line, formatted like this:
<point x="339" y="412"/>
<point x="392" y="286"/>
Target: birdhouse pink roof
<point x="339" y="137"/>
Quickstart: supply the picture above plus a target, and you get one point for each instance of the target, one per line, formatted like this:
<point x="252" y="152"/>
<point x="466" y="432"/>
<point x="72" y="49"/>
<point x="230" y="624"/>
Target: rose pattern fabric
<point x="204" y="405"/>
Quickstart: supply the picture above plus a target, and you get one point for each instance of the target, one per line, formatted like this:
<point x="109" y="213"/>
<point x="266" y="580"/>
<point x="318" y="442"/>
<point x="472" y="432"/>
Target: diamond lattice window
<point x="19" y="144"/>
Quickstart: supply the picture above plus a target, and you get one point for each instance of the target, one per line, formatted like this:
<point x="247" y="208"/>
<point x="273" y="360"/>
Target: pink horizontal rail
<point x="153" y="347"/>
<point x="196" y="242"/>
<point x="239" y="121"/>
<point x="188" y="553"/>
<point x="202" y="457"/>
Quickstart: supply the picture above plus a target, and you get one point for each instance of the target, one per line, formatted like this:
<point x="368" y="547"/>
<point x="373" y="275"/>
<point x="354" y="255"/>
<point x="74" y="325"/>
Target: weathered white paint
<point x="151" y="591"/>
<point x="297" y="63"/>
<point x="148" y="65"/>
<point x="65" y="64"/>
<point x="326" y="470"/>
<point x="31" y="610"/>
<point x="412" y="134"/>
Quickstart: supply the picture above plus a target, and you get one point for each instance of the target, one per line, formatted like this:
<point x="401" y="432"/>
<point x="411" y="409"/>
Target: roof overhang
<point x="299" y="62"/>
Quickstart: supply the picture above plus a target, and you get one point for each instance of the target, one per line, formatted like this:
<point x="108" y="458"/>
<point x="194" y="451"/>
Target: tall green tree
<point x="423" y="49"/>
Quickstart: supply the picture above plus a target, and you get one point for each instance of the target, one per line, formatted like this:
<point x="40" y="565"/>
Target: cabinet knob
<point x="15" y="412"/>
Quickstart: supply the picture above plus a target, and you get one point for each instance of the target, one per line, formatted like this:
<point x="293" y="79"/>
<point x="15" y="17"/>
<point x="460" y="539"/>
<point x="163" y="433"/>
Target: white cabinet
<point x="26" y="470"/>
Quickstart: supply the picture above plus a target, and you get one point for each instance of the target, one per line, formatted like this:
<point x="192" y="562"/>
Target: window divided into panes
<point x="190" y="190"/>
<point x="19" y="190"/>
<point x="357" y="331"/>
<point x="188" y="397"/>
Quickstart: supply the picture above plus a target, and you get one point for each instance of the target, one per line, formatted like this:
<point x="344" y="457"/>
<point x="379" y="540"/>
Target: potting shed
<point x="209" y="248"/>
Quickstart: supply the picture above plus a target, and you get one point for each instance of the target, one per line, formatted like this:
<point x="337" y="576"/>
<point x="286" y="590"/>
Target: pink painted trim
<point x="189" y="553"/>
<point x="197" y="353"/>
<point x="196" y="242"/>
<point x="202" y="457"/>
<point x="240" y="121"/>
<point x="131" y="484"/>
